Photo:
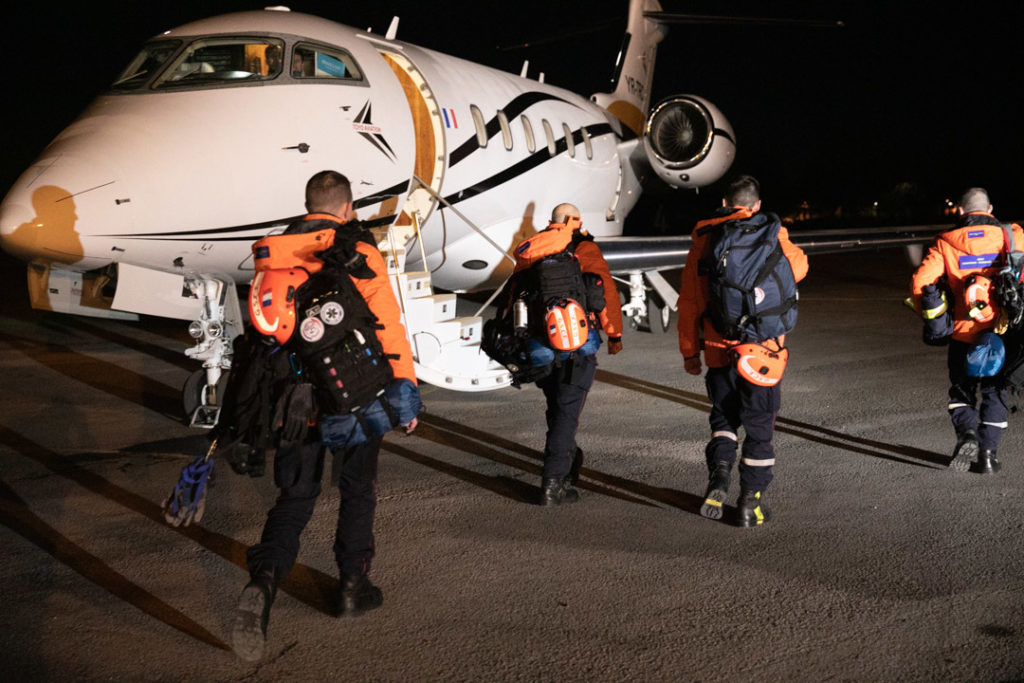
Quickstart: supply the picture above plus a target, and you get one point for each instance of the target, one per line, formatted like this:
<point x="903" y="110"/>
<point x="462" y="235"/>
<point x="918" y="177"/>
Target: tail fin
<point x="634" y="70"/>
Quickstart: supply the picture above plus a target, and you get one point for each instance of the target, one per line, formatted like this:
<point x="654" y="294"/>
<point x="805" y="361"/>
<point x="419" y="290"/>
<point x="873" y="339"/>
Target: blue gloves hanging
<point x="187" y="502"/>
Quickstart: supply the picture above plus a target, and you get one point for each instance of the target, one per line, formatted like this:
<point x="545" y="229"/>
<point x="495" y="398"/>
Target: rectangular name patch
<point x="971" y="234"/>
<point x="971" y="261"/>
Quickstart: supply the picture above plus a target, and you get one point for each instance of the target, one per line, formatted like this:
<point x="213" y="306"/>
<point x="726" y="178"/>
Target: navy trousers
<point x="736" y="402"/>
<point x="566" y="391"/>
<point x="963" y="392"/>
<point x="298" y="471"/>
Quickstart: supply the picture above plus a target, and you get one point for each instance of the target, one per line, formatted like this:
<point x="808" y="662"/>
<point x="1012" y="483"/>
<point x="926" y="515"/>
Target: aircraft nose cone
<point x="14" y="215"/>
<point x="55" y="209"/>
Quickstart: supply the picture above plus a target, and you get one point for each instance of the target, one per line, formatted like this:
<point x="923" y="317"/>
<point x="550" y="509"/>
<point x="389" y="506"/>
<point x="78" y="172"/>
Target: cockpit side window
<point x="222" y="60"/>
<point x="149" y="61"/>
<point x="317" y="61"/>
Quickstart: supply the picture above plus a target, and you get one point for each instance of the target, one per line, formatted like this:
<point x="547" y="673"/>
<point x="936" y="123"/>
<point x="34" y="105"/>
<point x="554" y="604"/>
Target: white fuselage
<point x="184" y="179"/>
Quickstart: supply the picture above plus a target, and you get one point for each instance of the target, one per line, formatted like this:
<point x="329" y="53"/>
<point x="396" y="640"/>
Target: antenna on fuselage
<point x="392" y="30"/>
<point x="526" y="65"/>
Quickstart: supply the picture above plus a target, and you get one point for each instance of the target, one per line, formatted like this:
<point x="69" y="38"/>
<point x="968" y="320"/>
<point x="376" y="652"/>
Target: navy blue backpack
<point x="753" y="294"/>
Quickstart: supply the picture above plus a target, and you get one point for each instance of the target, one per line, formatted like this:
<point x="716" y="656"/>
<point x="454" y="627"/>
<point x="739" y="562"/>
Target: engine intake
<point x="688" y="141"/>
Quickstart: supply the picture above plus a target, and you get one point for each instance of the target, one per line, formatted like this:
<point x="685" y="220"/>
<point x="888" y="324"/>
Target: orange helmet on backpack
<point x="760" y="365"/>
<point x="567" y="325"/>
<point x="981" y="306"/>
<point x="272" y="301"/>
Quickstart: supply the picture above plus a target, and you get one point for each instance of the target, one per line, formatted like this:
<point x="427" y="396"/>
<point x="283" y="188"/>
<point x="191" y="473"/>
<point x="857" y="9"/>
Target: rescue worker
<point x="974" y="248"/>
<point x="572" y="374"/>
<point x="735" y="401"/>
<point x="298" y="465"/>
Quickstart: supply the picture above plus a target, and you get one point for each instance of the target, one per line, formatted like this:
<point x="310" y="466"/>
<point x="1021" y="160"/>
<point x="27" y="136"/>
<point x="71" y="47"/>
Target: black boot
<point x="987" y="463"/>
<point x="753" y="511"/>
<point x="965" y="453"/>
<point x="358" y="595"/>
<point x="574" y="471"/>
<point x="249" y="632"/>
<point x="718" y="489"/>
<point x="555" y="491"/>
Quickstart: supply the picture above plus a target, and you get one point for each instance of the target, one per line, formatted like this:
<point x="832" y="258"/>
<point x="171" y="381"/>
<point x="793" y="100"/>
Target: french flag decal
<point x="449" y="118"/>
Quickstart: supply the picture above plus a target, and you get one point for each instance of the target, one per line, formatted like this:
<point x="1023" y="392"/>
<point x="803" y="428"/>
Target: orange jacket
<point x="381" y="300"/>
<point x="555" y="238"/>
<point x="974" y="247"/>
<point x="376" y="290"/>
<point x="693" y="292"/>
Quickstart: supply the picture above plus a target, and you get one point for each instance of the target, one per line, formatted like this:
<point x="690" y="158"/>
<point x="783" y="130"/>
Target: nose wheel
<point x="202" y="401"/>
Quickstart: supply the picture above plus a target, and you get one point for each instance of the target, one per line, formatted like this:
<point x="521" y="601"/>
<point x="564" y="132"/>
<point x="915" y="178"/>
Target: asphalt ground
<point x="879" y="563"/>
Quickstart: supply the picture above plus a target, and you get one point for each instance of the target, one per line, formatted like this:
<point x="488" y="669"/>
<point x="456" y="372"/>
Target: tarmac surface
<point x="879" y="563"/>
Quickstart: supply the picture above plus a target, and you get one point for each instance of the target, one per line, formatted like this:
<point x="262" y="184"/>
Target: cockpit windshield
<point x="145" y="64"/>
<point x="216" y="60"/>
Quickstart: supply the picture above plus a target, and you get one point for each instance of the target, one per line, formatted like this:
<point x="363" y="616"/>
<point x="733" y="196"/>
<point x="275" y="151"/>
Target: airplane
<point x="149" y="201"/>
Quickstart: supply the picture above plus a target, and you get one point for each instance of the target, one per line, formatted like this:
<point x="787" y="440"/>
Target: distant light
<point x="875" y="204"/>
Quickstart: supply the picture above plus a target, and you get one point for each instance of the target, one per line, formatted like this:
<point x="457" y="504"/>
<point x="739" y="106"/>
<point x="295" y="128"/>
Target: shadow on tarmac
<point x="815" y="433"/>
<point x="15" y="515"/>
<point x="310" y="586"/>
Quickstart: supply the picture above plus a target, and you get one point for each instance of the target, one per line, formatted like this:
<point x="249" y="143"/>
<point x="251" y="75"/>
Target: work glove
<point x="294" y="412"/>
<point x="187" y="502"/>
<point x="692" y="365"/>
<point x="614" y="345"/>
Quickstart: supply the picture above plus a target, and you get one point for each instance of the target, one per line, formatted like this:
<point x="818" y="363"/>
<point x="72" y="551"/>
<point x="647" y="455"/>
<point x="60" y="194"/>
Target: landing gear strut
<point x="220" y="321"/>
<point x="650" y="303"/>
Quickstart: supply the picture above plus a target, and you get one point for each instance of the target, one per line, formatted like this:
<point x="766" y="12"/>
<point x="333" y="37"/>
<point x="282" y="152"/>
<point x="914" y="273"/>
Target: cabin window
<point x="550" y="135"/>
<point x="531" y="143"/>
<point x="146" y="64"/>
<point x="317" y="61"/>
<point x="587" y="144"/>
<point x="570" y="144"/>
<point x="481" y="127"/>
<point x="506" y="131"/>
<point x="225" y="60"/>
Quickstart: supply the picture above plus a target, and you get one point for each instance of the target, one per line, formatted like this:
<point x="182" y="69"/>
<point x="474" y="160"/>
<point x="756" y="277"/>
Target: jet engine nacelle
<point x="688" y="141"/>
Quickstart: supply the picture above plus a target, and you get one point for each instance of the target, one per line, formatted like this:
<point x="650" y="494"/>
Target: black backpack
<point x="753" y="294"/>
<point x="336" y="340"/>
<point x="1009" y="294"/>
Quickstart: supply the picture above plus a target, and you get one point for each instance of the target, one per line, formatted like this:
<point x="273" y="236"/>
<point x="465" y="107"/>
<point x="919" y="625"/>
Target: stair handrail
<point x="433" y="193"/>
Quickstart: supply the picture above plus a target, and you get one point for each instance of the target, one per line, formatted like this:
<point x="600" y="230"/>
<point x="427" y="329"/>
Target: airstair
<point x="445" y="346"/>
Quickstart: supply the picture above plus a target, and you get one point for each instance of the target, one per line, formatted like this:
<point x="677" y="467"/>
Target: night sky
<point x="910" y="97"/>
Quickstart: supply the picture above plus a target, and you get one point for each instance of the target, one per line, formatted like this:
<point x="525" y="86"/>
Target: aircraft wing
<point x="631" y="254"/>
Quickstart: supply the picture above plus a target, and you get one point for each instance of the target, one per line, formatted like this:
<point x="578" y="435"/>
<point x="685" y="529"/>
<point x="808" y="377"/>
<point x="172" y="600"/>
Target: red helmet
<point x="272" y="301"/>
<point x="567" y="325"/>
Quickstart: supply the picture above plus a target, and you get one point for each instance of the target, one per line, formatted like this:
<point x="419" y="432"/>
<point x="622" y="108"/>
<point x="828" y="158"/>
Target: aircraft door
<point x="429" y="131"/>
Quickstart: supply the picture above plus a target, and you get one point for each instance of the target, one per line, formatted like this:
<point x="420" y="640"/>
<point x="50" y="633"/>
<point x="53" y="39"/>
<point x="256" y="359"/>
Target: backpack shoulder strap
<point x="1007" y="237"/>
